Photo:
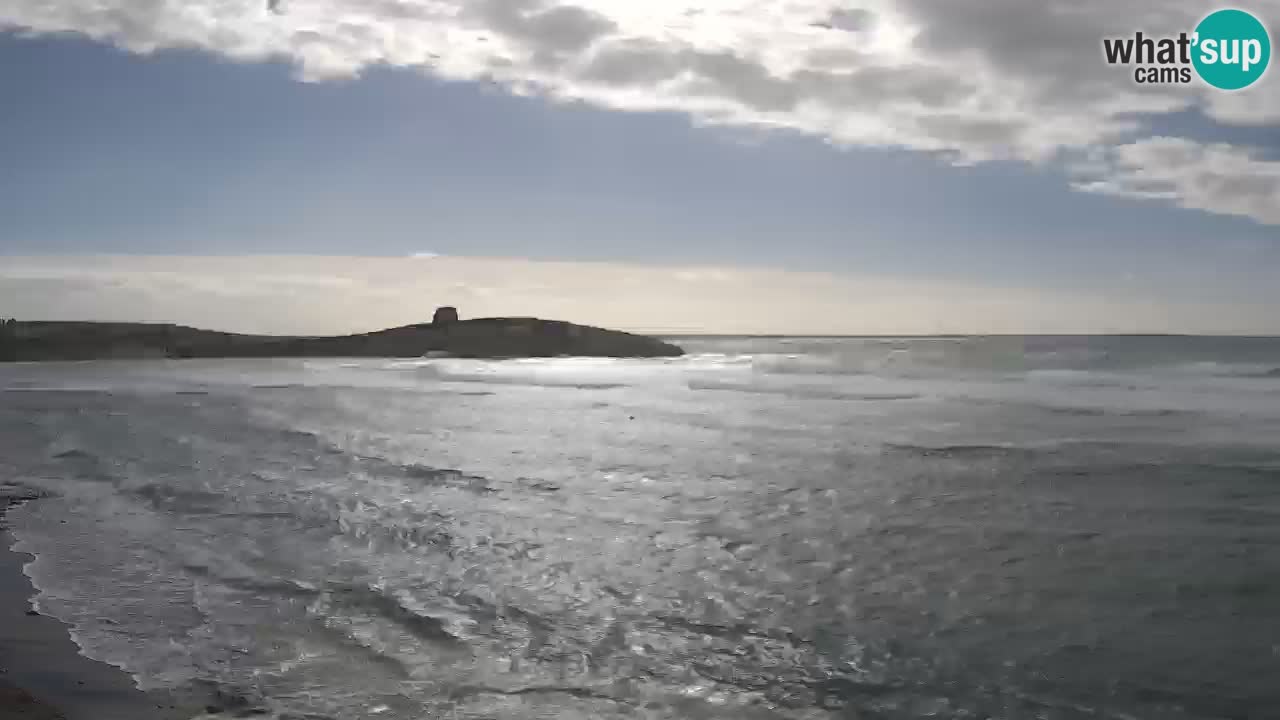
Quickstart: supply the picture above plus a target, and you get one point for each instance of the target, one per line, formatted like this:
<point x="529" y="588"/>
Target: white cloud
<point x="331" y="295"/>
<point x="1215" y="177"/>
<point x="973" y="81"/>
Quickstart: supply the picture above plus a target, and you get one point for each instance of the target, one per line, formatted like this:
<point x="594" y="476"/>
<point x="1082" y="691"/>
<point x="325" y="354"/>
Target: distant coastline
<point x="25" y="341"/>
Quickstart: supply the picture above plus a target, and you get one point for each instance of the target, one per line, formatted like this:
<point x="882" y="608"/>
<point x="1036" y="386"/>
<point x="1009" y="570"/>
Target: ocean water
<point x="1012" y="528"/>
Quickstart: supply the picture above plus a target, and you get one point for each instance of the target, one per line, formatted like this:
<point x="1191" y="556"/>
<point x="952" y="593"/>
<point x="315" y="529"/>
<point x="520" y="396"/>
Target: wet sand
<point x="43" y="676"/>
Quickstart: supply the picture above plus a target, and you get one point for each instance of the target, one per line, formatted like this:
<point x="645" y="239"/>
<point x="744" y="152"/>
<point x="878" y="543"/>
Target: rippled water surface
<point x="808" y="528"/>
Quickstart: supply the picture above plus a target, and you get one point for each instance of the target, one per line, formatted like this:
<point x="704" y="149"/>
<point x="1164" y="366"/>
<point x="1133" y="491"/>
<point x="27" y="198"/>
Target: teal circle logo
<point x="1231" y="49"/>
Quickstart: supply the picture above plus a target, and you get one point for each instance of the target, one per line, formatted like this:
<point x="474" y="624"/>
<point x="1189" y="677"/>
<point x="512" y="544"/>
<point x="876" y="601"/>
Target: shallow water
<point x="800" y="528"/>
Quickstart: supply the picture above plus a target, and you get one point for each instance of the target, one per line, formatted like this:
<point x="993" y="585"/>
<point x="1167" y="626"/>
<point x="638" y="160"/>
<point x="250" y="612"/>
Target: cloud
<point x="1215" y="177"/>
<point x="346" y="294"/>
<point x="970" y="81"/>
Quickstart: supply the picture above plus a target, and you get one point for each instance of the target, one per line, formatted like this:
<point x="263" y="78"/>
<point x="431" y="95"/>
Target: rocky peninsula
<point x="501" y="337"/>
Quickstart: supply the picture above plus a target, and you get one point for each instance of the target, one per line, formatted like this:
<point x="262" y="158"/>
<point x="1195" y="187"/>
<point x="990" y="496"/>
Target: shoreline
<point x="43" y="675"/>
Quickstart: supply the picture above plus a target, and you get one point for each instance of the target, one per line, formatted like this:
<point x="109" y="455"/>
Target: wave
<point x="76" y="454"/>
<point x="180" y="500"/>
<point x="57" y="389"/>
<point x="1224" y="369"/>
<point x="1082" y="378"/>
<point x="13" y="494"/>
<point x="801" y="391"/>
<point x="85" y="465"/>
<point x="965" y="452"/>
<point x="398" y="608"/>
<point x="447" y="477"/>
<point x="493" y="376"/>
<point x="281" y="587"/>
<point x="735" y="630"/>
<point x="1092" y="411"/>
<point x="798" y="364"/>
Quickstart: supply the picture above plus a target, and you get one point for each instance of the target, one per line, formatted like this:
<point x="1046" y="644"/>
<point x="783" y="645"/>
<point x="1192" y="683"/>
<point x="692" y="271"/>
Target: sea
<point x="1013" y="528"/>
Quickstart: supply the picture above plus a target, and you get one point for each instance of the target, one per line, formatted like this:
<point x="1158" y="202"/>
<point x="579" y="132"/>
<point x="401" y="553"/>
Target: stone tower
<point x="445" y="315"/>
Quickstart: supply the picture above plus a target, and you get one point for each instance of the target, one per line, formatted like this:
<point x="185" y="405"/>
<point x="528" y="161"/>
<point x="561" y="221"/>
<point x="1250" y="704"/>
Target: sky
<point x="793" y="166"/>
